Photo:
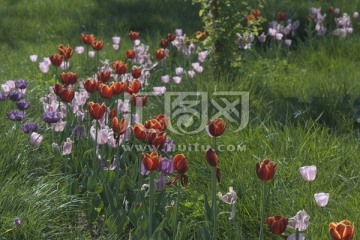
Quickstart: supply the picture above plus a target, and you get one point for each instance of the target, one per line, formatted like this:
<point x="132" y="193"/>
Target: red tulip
<point x="118" y="87"/>
<point x="160" y="54"/>
<point x="135" y="87"/>
<point x="265" y="170"/>
<point x="136" y="72"/>
<point x="87" y="38"/>
<point x="155" y="138"/>
<point x="56" y="60"/>
<point x="119" y="128"/>
<point x="181" y="166"/>
<point x="57" y="89"/>
<point x="164" y="119"/>
<point x="97" y="45"/>
<point x="138" y="100"/>
<point x="133" y="35"/>
<point x="130" y="54"/>
<point x="119" y="66"/>
<point x="69" y="78"/>
<point x="90" y="85"/>
<point x="281" y="16"/>
<point x="171" y="37"/>
<point x="256" y="13"/>
<point x="164" y="43"/>
<point x="103" y="76"/>
<point x="96" y="110"/>
<point x="211" y="157"/>
<point x="112" y="113"/>
<point x="139" y="131"/>
<point x="67" y="95"/>
<point x="151" y="161"/>
<point x="250" y="18"/>
<point x="343" y="230"/>
<point x="65" y="52"/>
<point x="105" y="91"/>
<point x="277" y="224"/>
<point x="217" y="127"/>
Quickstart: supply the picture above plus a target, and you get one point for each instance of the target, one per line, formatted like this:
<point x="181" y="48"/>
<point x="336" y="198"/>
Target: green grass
<point x="302" y="112"/>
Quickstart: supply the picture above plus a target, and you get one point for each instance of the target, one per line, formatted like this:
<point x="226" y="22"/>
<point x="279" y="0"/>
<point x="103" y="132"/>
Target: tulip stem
<point x="261" y="237"/>
<point x="213" y="178"/>
<point x="297" y="234"/>
<point x="151" y="202"/>
<point x="176" y="210"/>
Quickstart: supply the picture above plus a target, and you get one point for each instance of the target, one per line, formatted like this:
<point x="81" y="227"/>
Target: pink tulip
<point x="36" y="139"/>
<point x="115" y="47"/>
<point x="308" y="173"/>
<point x="165" y="79"/>
<point x="91" y="54"/>
<point x="33" y="58"/>
<point x="159" y="90"/>
<point x="321" y="199"/>
<point x="79" y="49"/>
<point x="177" y="80"/>
<point x="116" y="40"/>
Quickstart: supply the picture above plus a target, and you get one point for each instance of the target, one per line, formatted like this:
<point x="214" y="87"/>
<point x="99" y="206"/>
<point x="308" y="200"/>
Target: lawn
<point x="303" y="110"/>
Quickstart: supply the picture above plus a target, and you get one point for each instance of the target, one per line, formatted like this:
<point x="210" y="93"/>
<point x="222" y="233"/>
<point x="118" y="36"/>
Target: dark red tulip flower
<point x="65" y="52"/>
<point x="164" y="43"/>
<point x="56" y="60"/>
<point x="118" y="87"/>
<point x="68" y="78"/>
<point x="171" y="37"/>
<point x="90" y="85"/>
<point x="96" y="110"/>
<point x="136" y="72"/>
<point x="139" y="131"/>
<point x="103" y="76"/>
<point x="87" y="38"/>
<point x="120" y="67"/>
<point x="119" y="128"/>
<point x="105" y="91"/>
<point x="57" y="89"/>
<point x="200" y="35"/>
<point x="343" y="230"/>
<point x="130" y="54"/>
<point x="138" y="100"/>
<point x="217" y="127"/>
<point x="67" y="95"/>
<point x="277" y="224"/>
<point x="181" y="166"/>
<point x="133" y="35"/>
<point x="97" y="45"/>
<point x="135" y="87"/>
<point x="265" y="170"/>
<point x="160" y="54"/>
<point x="151" y="161"/>
<point x="281" y="16"/>
<point x="256" y="13"/>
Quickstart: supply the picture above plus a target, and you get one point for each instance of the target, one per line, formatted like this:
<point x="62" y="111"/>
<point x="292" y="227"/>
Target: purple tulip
<point x="21" y="84"/>
<point x="308" y="173"/>
<point x="177" y="80"/>
<point x="159" y="90"/>
<point x="79" y="132"/>
<point x="51" y="117"/>
<point x="160" y="184"/>
<point x="30" y="127"/>
<point x="23" y="104"/>
<point x="168" y="147"/>
<point x="321" y="199"/>
<point x="16" y="115"/>
<point x="15" y="95"/>
<point x="116" y="40"/>
<point x="165" y="79"/>
<point x="144" y="171"/>
<point x="229" y="198"/>
<point x="293" y="237"/>
<point x="3" y="96"/>
<point x="17" y="222"/>
<point x="166" y="166"/>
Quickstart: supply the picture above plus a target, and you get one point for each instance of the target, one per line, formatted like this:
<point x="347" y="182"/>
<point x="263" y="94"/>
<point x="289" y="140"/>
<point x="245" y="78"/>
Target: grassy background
<point x="302" y="105"/>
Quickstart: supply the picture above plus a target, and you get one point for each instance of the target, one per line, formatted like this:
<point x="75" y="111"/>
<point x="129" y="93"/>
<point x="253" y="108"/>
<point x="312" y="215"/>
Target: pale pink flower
<point x="272" y="32"/>
<point x="337" y="10"/>
<point x="196" y="66"/>
<point x="116" y="40"/>
<point x="165" y="79"/>
<point x="36" y="139"/>
<point x="115" y="47"/>
<point x="178" y="32"/>
<point x="321" y="199"/>
<point x="308" y="173"/>
<point x="229" y="198"/>
<point x="177" y="79"/>
<point x="262" y="37"/>
<point x="44" y="68"/>
<point x="123" y="106"/>
<point x="66" y="148"/>
<point x="159" y="90"/>
<point x="102" y="134"/>
<point x="278" y="36"/>
<point x="300" y="221"/>
<point x="202" y="56"/>
<point x="191" y="74"/>
<point x="137" y="42"/>
<point x="179" y="70"/>
<point x="8" y="85"/>
<point x="79" y="49"/>
<point x="288" y="42"/>
<point x="33" y="58"/>
<point x="59" y="126"/>
<point x="135" y="118"/>
<point x="91" y="54"/>
<point x="65" y="65"/>
<point x="356" y="15"/>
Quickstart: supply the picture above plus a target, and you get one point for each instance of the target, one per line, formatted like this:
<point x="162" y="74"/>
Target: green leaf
<point x="207" y="208"/>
